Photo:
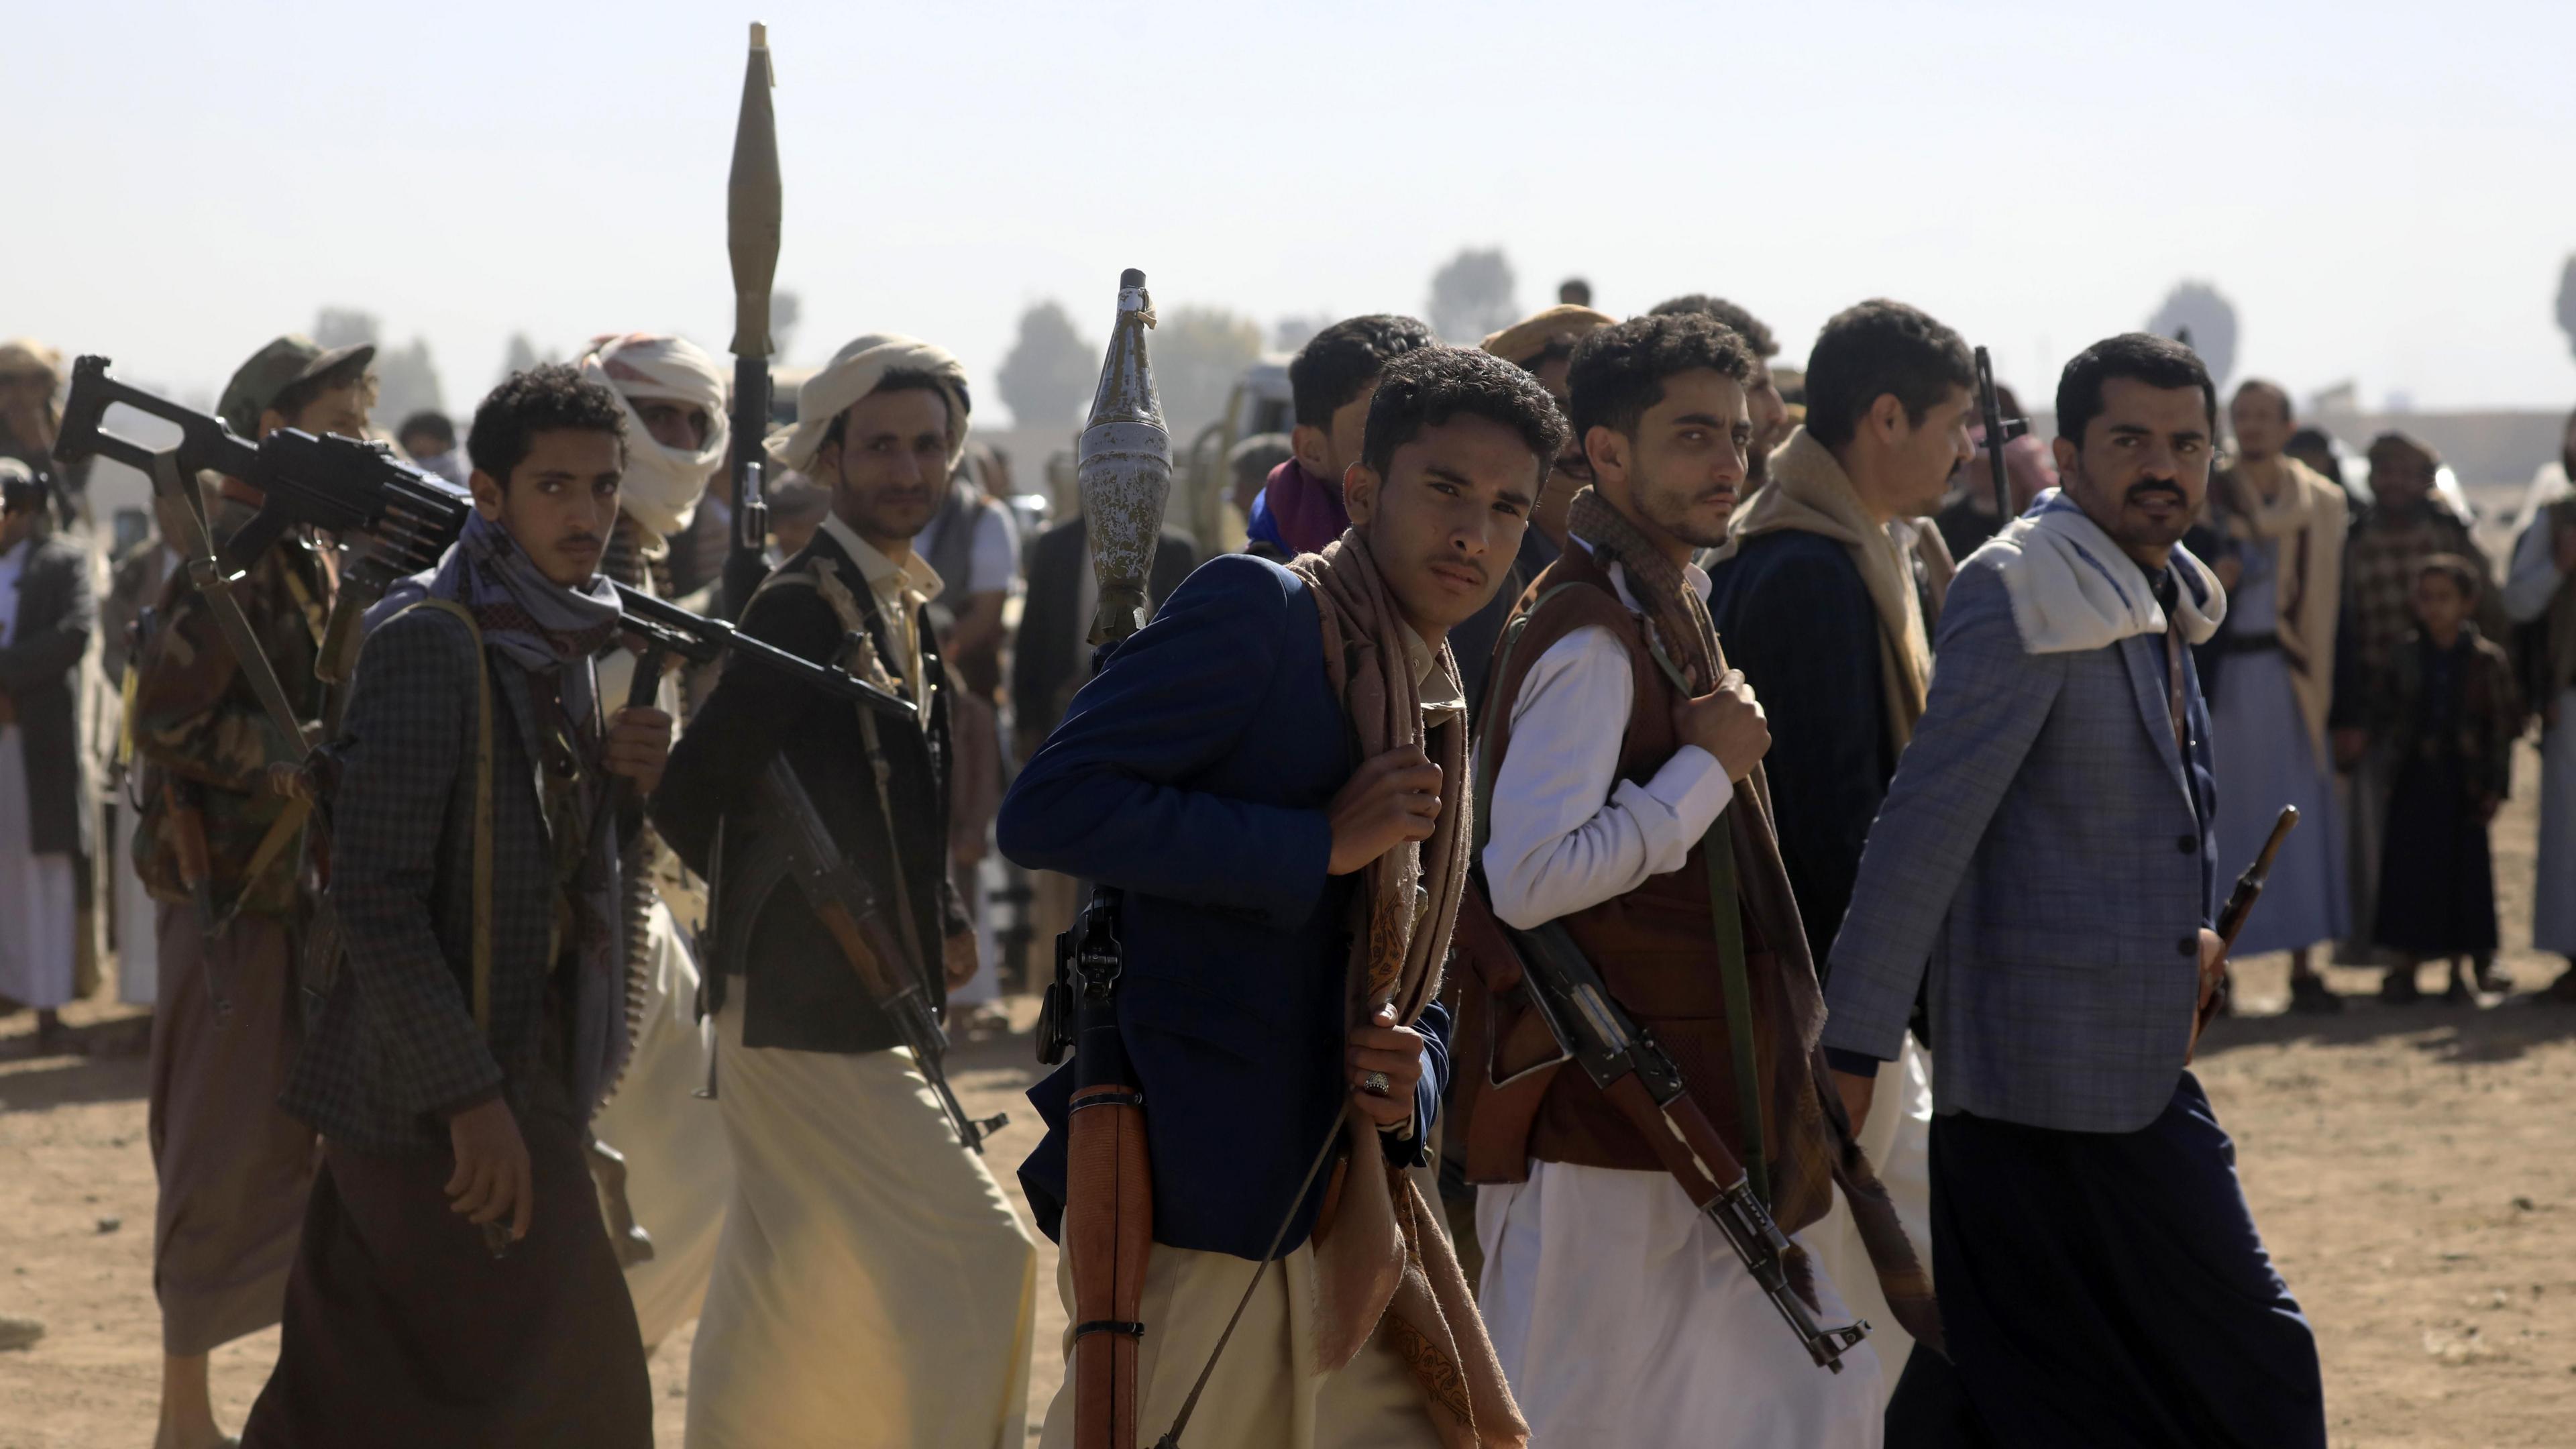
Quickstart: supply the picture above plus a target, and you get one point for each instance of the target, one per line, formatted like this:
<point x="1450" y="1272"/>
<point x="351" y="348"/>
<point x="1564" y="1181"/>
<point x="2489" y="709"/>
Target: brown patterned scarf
<point x="1382" y="1265"/>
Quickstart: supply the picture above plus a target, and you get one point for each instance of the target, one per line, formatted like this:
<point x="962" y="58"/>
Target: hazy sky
<point x="2386" y="191"/>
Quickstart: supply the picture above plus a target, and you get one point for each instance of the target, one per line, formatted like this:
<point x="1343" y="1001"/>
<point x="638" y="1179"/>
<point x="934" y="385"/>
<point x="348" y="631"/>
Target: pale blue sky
<point x="2386" y="191"/>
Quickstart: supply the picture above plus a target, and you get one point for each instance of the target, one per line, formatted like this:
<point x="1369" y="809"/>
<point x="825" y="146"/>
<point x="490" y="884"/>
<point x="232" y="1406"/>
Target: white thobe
<point x="36" y="921"/>
<point x="2529" y="586"/>
<point x="1619" y="1311"/>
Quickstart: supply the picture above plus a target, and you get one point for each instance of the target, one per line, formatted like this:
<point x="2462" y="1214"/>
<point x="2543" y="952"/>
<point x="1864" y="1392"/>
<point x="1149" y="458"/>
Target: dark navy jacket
<point x="1797" y="618"/>
<point x="1193" y="774"/>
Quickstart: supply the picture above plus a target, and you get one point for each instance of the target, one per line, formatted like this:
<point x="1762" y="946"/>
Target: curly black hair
<point x="1746" y="325"/>
<point x="1431" y="385"/>
<point x="2158" y="362"/>
<point x="1871" y="350"/>
<point x="1618" y="372"/>
<point x="1336" y="365"/>
<point x="544" y="399"/>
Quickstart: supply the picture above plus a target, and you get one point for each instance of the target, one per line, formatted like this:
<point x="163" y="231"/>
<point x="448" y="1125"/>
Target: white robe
<point x="1898" y="1138"/>
<point x="36" y="899"/>
<point x="1622" y="1317"/>
<point x="678" y="1169"/>
<point x="2530" y="584"/>
<point x="874" y="1289"/>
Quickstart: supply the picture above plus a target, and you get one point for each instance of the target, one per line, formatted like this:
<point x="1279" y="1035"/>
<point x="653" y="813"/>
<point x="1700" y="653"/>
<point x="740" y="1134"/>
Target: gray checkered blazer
<point x="394" y="1046"/>
<point x="2044" y="854"/>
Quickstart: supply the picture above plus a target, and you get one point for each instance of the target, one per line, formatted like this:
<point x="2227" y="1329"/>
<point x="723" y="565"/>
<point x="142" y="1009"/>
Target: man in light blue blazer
<point x="2041" y="879"/>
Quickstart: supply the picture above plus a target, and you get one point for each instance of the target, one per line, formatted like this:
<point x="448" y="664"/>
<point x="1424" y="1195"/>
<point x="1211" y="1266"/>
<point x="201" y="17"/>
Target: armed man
<point x="455" y="1285"/>
<point x="874" y="1285"/>
<point x="1627" y="805"/>
<point x="1271" y="776"/>
<point x="220" y="846"/>
<point x="675" y="1173"/>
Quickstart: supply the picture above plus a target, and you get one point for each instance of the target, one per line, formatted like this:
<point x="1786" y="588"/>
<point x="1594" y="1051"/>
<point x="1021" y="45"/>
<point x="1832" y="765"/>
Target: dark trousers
<point x="402" y="1329"/>
<point x="2108" y="1290"/>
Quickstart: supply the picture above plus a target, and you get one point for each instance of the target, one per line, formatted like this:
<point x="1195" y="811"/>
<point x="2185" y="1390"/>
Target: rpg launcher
<point x="1999" y="431"/>
<point x="752" y="224"/>
<point x="1641" y="1079"/>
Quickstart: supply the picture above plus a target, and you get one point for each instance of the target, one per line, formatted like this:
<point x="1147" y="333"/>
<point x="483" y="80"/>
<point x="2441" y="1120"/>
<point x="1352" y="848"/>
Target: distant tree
<point x="1472" y="295"/>
<point x="2209" y="317"/>
<point x="406" y="377"/>
<point x="1198" y="353"/>
<point x="521" y="356"/>
<point x="1290" y="333"/>
<point x="345" y="326"/>
<point x="2567" y="300"/>
<point x="1048" y="378"/>
<point x="786" y="309"/>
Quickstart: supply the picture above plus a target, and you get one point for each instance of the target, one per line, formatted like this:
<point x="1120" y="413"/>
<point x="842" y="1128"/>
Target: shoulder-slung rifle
<point x="1999" y="431"/>
<point x="1640" y="1078"/>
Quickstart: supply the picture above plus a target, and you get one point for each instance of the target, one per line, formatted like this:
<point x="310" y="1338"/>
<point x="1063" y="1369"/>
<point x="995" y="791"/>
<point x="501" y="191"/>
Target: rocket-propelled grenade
<point x="752" y="221"/>
<point x="1125" y="473"/>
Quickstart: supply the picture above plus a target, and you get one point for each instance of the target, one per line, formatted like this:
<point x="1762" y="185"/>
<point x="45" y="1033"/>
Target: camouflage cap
<point x="275" y="368"/>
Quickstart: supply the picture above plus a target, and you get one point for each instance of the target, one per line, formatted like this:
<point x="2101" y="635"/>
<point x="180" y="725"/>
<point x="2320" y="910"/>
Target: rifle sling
<point x="206" y="572"/>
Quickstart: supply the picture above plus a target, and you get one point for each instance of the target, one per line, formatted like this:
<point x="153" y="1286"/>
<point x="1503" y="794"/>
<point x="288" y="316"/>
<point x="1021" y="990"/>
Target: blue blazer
<point x="2045" y="854"/>
<point x="1192" y="773"/>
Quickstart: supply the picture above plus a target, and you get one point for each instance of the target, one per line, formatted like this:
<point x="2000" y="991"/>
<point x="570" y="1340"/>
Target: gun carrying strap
<point x="1726" y="923"/>
<point x="482" y="990"/>
<point x="206" y="572"/>
<point x="823" y="578"/>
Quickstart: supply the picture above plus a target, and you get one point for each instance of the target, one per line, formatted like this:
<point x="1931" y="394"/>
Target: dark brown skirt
<point x="402" y="1329"/>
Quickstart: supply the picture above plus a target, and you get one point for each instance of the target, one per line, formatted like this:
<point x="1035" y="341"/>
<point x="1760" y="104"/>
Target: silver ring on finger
<point x="1377" y="1085"/>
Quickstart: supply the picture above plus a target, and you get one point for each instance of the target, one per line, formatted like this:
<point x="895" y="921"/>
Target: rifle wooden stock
<point x="1108" y="1229"/>
<point x="2231" y="921"/>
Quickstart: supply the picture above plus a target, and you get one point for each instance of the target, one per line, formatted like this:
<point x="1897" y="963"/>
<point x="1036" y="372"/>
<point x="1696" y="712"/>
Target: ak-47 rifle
<point x="846" y="903"/>
<point x="752" y="226"/>
<point x="1999" y="431"/>
<point x="2231" y="920"/>
<point x="1636" y="1075"/>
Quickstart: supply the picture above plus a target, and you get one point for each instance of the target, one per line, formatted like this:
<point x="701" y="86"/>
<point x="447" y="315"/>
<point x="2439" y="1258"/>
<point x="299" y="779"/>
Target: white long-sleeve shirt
<point x="1567" y="833"/>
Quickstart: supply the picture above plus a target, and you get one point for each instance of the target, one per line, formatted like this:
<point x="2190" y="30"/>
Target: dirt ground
<point x="2411" y="1169"/>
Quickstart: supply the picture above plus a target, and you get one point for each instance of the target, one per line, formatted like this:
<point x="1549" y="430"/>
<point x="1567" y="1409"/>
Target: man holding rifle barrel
<point x="2042" y="877"/>
<point x="873" y="1284"/>
<point x="1629" y="814"/>
<point x="455" y="1283"/>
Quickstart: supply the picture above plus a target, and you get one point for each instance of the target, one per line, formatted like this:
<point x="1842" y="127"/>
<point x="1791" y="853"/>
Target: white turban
<point x="855" y="372"/>
<point x="663" y="484"/>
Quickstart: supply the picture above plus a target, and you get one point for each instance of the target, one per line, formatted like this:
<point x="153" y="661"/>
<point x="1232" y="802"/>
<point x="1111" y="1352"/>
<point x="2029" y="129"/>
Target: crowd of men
<point x="1900" y="825"/>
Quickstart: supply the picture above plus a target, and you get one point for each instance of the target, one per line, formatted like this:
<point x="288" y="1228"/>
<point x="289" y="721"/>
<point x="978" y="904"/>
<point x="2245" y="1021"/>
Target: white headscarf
<point x="663" y="484"/>
<point x="855" y="372"/>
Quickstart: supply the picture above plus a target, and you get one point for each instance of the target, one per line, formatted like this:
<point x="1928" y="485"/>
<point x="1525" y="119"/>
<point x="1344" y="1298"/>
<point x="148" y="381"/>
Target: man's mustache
<point x="1453" y="561"/>
<point x="2140" y="492"/>
<point x="575" y="540"/>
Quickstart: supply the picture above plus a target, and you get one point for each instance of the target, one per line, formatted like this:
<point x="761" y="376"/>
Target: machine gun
<point x="1636" y="1075"/>
<point x="1999" y="431"/>
<point x="394" y="518"/>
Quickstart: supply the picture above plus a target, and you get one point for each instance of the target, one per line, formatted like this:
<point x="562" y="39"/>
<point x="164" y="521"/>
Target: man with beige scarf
<point x="1273" y="775"/>
<point x="1820" y="607"/>
<point x="2283" y="572"/>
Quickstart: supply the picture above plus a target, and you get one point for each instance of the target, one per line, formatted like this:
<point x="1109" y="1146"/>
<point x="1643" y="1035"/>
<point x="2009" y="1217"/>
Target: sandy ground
<point x="2411" y="1169"/>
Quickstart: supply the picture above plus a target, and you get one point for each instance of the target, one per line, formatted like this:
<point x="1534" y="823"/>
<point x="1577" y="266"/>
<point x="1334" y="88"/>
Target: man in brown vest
<point x="1616" y="741"/>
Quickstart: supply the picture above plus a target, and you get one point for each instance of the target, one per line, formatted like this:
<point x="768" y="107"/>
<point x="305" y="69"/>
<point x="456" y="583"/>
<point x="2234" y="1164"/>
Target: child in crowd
<point x="2448" y="705"/>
